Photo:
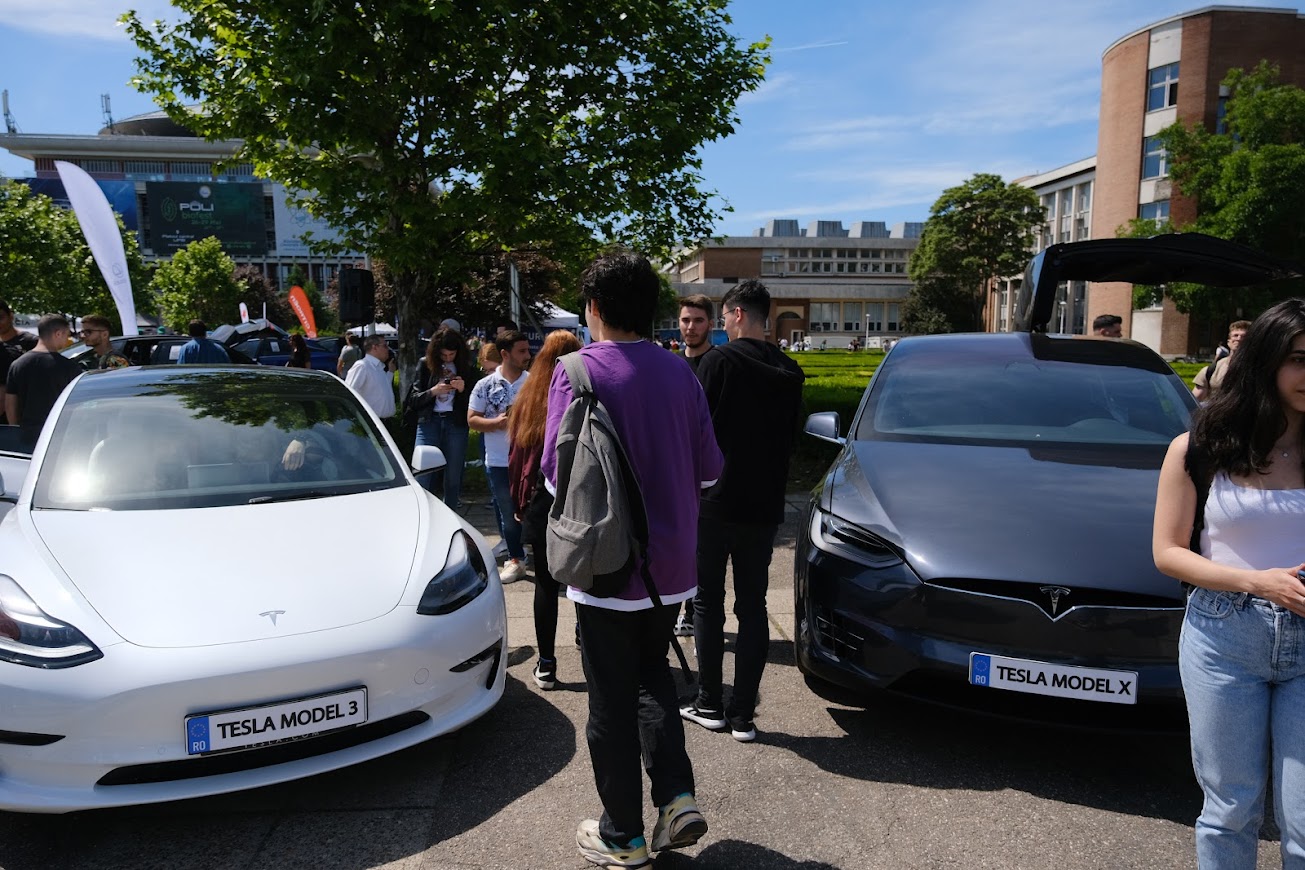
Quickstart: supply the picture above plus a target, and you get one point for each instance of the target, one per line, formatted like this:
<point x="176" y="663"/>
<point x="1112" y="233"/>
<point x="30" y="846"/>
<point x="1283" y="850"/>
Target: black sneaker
<point x="711" y="719"/>
<point x="742" y="730"/>
<point x="545" y="674"/>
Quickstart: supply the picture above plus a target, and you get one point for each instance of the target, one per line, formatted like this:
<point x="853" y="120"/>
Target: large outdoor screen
<point x="184" y="211"/>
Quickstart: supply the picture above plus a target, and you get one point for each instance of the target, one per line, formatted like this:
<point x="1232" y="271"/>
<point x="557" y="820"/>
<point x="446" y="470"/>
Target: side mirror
<point x="824" y="425"/>
<point x="427" y="459"/>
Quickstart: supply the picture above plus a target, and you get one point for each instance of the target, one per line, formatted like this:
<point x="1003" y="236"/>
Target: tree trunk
<point x="407" y="287"/>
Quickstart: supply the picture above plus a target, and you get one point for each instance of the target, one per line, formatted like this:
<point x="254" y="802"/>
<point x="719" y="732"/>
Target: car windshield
<point x="1017" y="399"/>
<point x="208" y="439"/>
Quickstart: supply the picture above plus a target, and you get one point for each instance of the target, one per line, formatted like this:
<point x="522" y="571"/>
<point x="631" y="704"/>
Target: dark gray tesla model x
<point x="984" y="538"/>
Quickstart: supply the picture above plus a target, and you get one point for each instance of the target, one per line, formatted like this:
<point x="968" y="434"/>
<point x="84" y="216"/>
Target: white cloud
<point x="91" y="19"/>
<point x="772" y="87"/>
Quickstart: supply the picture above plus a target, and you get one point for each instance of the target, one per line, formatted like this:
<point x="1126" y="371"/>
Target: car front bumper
<point x="121" y="720"/>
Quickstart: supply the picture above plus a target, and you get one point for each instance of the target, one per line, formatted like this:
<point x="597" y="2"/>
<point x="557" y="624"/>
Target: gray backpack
<point x="597" y="524"/>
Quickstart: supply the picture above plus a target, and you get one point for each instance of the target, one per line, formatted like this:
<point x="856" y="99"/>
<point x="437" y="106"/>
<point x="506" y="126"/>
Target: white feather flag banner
<point x="102" y="236"/>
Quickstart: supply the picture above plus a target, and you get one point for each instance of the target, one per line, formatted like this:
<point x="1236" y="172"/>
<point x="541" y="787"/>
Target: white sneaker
<point x="512" y="571"/>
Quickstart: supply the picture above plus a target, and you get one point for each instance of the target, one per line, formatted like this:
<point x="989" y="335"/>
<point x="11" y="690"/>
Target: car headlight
<point x="841" y="538"/>
<point x="30" y="637"/>
<point x="463" y="578"/>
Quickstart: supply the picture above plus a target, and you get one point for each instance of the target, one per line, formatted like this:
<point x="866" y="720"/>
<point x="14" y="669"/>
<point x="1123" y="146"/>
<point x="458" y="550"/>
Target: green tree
<point x="259" y="292"/>
<point x="198" y="283"/>
<point x="976" y="233"/>
<point x="46" y="265"/>
<point x="937" y="303"/>
<point x="433" y="133"/>
<point x="1248" y="181"/>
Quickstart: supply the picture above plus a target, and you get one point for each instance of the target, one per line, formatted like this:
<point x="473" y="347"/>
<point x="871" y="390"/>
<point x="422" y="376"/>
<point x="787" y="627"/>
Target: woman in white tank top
<point x="1242" y="649"/>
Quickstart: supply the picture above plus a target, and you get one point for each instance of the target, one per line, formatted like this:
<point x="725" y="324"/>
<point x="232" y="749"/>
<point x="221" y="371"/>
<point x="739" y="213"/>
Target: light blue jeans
<point x="508" y="525"/>
<point x="438" y="430"/>
<point x="1242" y="661"/>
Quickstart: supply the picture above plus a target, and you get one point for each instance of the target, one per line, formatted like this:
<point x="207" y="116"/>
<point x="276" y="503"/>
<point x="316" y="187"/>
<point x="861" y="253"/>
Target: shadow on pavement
<point x="902" y="740"/>
<point x="735" y="854"/>
<point x="527" y="736"/>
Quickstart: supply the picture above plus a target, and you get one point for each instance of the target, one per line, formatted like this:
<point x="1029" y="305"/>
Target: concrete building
<point x="1166" y="72"/>
<point x="1066" y="197"/>
<point x="826" y="281"/>
<point x="165" y="183"/>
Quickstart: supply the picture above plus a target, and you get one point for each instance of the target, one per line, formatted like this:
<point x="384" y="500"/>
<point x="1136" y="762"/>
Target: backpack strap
<point x="582" y="386"/>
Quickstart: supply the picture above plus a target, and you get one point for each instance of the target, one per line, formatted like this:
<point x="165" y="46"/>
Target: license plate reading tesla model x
<point x="252" y="726"/>
<point x="1060" y="681"/>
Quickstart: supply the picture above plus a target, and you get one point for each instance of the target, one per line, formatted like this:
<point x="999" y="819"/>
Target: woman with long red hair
<point x="530" y="498"/>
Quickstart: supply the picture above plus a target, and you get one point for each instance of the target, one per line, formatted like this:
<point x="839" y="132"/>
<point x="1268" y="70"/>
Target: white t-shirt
<point x="492" y="395"/>
<point x="444" y="403"/>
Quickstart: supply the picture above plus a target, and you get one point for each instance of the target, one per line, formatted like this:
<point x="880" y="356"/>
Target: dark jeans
<point x="508" y="525"/>
<point x="633" y="709"/>
<point x="439" y="430"/>
<point x="748" y="547"/>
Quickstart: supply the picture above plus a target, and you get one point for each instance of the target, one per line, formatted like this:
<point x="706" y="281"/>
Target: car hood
<point x="1076" y="516"/>
<point x="208" y="576"/>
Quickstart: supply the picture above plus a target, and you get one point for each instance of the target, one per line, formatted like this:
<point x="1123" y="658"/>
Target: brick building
<point x="1166" y="72"/>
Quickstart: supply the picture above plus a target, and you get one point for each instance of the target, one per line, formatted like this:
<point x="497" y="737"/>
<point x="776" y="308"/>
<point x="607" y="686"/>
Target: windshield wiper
<point x="298" y="496"/>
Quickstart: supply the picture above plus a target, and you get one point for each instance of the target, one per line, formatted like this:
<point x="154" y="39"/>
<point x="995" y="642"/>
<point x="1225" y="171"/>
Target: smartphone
<point x="447" y="381"/>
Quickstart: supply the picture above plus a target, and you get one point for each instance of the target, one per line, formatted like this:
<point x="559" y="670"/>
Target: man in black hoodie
<point x="755" y="395"/>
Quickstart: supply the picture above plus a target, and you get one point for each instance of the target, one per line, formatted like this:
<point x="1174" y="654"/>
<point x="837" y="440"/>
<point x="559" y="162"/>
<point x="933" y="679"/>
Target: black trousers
<point x="547" y="589"/>
<point x="748" y="546"/>
<point x="633" y="711"/>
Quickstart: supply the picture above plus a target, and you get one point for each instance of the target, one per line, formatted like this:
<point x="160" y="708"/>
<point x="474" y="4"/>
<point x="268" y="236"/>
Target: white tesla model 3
<point x="215" y="578"/>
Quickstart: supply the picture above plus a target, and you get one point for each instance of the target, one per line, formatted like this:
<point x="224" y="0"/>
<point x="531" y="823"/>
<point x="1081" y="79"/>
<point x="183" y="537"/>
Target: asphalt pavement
<point x="831" y="782"/>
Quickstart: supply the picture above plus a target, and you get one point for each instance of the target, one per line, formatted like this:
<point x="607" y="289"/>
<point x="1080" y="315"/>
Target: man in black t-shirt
<point x="13" y="344"/>
<point x="36" y="379"/>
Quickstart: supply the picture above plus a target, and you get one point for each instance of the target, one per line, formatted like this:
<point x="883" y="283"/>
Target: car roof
<point x="1082" y="349"/>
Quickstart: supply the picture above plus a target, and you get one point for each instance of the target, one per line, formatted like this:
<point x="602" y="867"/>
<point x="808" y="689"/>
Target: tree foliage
<point x="198" y="283"/>
<point x="976" y="233"/>
<point x="435" y="132"/>
<point x="1248" y="181"/>
<point x="46" y="265"/>
<point x="937" y="303"/>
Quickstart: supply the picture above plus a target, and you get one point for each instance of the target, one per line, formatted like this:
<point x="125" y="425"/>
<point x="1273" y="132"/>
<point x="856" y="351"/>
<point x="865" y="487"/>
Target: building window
<point x="1155" y="162"/>
<point x="1162" y="87"/>
<point x="98" y="166"/>
<point x="824" y="317"/>
<point x="894" y="317"/>
<point x="1155" y="211"/>
<point x="1085" y="197"/>
<point x="144" y="167"/>
<point x="874" y="317"/>
<point x="204" y="169"/>
<point x="852" y="316"/>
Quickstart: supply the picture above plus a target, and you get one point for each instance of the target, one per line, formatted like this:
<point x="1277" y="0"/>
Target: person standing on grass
<point x="754" y="391"/>
<point x="661" y="418"/>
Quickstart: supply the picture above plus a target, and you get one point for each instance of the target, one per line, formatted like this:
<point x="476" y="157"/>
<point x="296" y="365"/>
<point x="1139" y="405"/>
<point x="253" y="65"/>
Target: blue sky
<point x="869" y="109"/>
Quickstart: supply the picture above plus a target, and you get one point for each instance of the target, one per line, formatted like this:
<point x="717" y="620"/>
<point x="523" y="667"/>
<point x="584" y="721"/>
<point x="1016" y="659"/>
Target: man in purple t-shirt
<point x="661" y="416"/>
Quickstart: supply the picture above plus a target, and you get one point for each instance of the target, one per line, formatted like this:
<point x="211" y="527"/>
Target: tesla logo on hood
<point x="273" y="614"/>
<point x="1056" y="593"/>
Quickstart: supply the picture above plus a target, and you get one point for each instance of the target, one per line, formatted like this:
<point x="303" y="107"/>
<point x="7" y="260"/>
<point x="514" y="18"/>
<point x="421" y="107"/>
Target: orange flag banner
<point x="303" y="310"/>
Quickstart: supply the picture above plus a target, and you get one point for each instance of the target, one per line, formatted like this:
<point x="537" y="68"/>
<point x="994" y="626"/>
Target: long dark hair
<point x="1236" y="431"/>
<point x="447" y="339"/>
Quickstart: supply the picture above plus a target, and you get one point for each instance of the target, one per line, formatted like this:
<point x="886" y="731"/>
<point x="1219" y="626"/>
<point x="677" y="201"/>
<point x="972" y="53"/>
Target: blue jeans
<point x="438" y="430"/>
<point x="504" y="512"/>
<point x="1242" y="661"/>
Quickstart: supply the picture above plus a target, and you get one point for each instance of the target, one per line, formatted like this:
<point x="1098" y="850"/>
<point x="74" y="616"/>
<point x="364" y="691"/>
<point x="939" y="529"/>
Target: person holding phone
<point x="1229" y="517"/>
<point x="439" y="397"/>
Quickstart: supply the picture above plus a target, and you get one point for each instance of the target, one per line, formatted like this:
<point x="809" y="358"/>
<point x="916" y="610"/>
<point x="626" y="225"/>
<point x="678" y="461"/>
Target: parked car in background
<point x="215" y="674"/>
<point x="144" y="350"/>
<point x="983" y="539"/>
<point x="275" y="351"/>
